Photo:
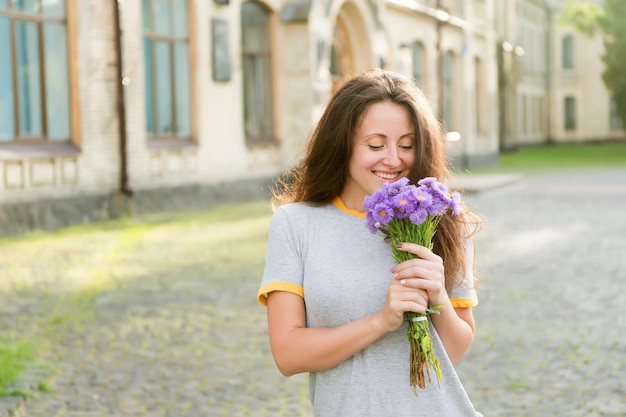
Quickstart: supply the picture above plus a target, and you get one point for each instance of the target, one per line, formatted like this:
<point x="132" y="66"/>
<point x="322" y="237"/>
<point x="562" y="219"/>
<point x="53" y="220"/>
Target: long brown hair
<point x="322" y="173"/>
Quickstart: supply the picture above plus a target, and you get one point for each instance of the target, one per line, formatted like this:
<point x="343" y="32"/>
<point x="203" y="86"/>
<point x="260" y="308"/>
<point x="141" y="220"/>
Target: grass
<point x="15" y="355"/>
<point x="534" y="159"/>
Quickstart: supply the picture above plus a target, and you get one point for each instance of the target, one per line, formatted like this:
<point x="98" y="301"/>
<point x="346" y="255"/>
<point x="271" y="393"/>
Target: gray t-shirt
<point x="328" y="256"/>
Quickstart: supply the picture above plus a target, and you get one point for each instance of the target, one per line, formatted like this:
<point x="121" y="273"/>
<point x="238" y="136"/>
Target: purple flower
<point x="402" y="182"/>
<point x="418" y="216"/>
<point x="371" y="223"/>
<point x="438" y="208"/>
<point x="423" y="196"/>
<point x="441" y="191"/>
<point x="456" y="203"/>
<point x="401" y="200"/>
<point x="404" y="203"/>
<point x="427" y="181"/>
<point x="382" y="212"/>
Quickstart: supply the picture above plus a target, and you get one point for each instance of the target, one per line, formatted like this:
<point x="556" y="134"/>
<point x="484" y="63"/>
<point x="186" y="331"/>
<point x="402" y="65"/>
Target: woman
<point x="335" y="298"/>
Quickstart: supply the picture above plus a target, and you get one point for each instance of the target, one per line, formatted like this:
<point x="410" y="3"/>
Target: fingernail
<point x="429" y="311"/>
<point x="402" y="281"/>
<point x="398" y="245"/>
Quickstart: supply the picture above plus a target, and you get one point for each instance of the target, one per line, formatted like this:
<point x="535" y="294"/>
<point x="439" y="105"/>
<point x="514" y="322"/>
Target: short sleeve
<point x="284" y="261"/>
<point x="463" y="293"/>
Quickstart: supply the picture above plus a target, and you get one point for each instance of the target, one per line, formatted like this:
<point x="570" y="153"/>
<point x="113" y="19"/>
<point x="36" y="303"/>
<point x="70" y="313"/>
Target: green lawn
<point x="560" y="157"/>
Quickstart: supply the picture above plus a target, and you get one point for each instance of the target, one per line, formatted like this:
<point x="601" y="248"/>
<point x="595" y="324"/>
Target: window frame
<point x="569" y="113"/>
<point x="173" y="137"/>
<point x="266" y="59"/>
<point x="567" y="52"/>
<point x="418" y="60"/>
<point x="480" y="94"/>
<point x="615" y="123"/>
<point x="43" y="143"/>
<point x="448" y="69"/>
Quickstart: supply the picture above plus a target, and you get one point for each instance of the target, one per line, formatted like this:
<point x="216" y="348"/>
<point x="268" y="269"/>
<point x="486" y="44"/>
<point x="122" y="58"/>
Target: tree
<point x="610" y="19"/>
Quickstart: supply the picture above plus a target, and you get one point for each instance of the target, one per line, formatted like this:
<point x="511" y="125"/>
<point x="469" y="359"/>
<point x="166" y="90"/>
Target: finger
<point x="428" y="271"/>
<point x="409" y="301"/>
<point x="427" y="286"/>
<point x="419" y="250"/>
<point x="408" y="305"/>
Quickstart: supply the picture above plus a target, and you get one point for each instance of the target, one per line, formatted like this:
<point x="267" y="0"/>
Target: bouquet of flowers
<point x="405" y="212"/>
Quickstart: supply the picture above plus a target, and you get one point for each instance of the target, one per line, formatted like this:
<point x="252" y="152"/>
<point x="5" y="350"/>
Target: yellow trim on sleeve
<point x="463" y="302"/>
<point x="278" y="286"/>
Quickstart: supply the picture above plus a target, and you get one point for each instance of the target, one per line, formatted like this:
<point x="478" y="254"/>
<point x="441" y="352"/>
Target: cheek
<point x="408" y="158"/>
<point x="363" y="158"/>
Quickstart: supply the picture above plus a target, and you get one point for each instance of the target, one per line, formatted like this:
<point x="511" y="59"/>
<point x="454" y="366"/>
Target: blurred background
<point x="111" y="108"/>
<point x="138" y="140"/>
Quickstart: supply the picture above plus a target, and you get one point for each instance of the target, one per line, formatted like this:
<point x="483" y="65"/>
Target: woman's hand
<point x="417" y="284"/>
<point x="424" y="273"/>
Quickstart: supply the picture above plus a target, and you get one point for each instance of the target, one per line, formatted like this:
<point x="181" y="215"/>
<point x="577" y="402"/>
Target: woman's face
<point x="382" y="151"/>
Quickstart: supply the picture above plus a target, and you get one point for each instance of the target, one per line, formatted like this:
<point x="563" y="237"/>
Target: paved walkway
<point x="187" y="338"/>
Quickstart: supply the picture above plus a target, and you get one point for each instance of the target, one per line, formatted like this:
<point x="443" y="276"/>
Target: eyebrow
<point x="375" y="134"/>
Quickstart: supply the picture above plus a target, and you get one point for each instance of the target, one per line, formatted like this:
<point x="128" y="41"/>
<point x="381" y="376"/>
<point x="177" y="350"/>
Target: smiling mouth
<point x="387" y="176"/>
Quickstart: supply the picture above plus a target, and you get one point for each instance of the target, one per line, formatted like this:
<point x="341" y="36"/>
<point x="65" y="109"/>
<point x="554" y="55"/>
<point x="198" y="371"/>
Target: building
<point x="551" y="88"/>
<point x="582" y="105"/>
<point x="125" y="106"/>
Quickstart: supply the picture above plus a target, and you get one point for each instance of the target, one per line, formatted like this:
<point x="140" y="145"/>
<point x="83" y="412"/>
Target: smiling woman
<point x="383" y="150"/>
<point x="335" y="297"/>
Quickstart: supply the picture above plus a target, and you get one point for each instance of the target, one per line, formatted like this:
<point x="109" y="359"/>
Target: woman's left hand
<point x="424" y="272"/>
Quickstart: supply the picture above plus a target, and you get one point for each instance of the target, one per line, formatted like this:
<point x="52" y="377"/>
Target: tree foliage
<point x="610" y="20"/>
<point x="583" y="16"/>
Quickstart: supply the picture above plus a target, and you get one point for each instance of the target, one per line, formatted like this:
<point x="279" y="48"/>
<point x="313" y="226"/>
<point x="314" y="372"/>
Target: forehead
<point x="385" y="115"/>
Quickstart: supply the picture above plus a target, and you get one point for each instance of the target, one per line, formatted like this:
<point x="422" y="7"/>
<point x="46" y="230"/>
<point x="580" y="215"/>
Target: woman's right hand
<point x="400" y="299"/>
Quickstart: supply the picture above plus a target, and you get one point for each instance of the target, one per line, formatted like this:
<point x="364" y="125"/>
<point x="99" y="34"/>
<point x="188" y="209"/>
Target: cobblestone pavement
<point x="139" y="323"/>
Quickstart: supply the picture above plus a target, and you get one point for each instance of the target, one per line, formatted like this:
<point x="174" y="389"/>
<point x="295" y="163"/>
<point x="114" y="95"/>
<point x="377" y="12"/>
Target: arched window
<point x="167" y="69"/>
<point x="569" y="114"/>
<point x="481" y="100"/>
<point x="615" y="121"/>
<point x="567" y="44"/>
<point x="341" y="63"/>
<point x="447" y="108"/>
<point x="34" y="72"/>
<point x="258" y="93"/>
<point x="418" y="60"/>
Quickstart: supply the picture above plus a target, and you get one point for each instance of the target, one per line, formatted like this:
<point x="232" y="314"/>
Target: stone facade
<point x="111" y="167"/>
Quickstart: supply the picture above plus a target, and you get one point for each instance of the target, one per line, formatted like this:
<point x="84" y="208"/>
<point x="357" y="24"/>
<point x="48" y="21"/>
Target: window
<point x="447" y="107"/>
<point x="257" y="72"/>
<point x="341" y="62"/>
<point x="570" y="113"/>
<point x="568" y="52"/>
<point x="418" y="63"/>
<point x="481" y="102"/>
<point x="167" y="69"/>
<point x="34" y="78"/>
<point x="616" y="122"/>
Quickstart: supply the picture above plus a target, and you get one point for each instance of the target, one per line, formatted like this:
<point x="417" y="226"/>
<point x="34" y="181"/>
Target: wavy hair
<point x="323" y="171"/>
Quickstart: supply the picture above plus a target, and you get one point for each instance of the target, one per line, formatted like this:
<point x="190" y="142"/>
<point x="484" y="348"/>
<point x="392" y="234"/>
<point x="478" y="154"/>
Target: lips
<point x="386" y="175"/>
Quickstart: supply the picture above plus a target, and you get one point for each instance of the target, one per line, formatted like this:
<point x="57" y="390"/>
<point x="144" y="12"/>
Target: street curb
<point x="476" y="183"/>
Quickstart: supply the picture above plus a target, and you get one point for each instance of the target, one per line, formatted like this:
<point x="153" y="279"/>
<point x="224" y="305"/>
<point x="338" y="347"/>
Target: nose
<point x="392" y="158"/>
